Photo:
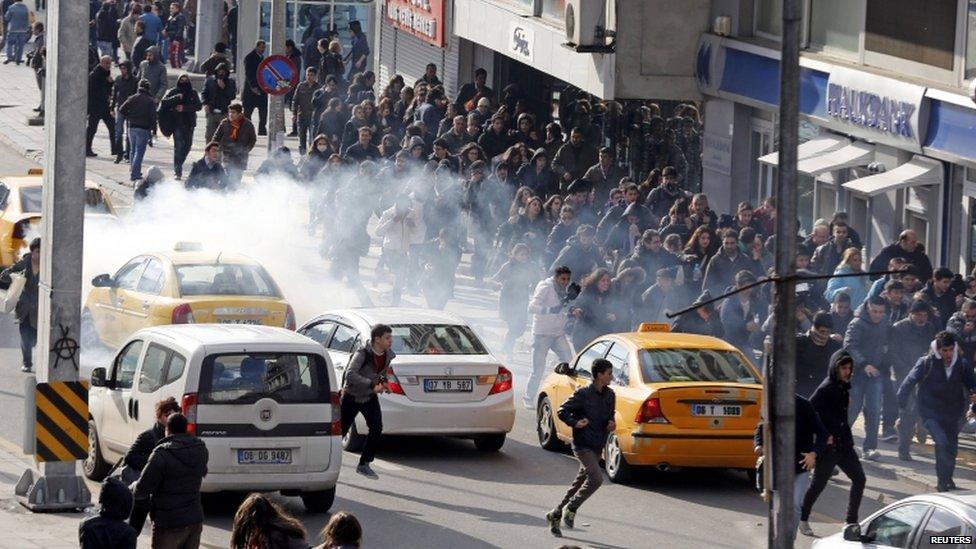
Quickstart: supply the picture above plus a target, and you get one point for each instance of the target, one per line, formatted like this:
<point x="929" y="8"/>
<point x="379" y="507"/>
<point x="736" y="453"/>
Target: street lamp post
<point x="780" y="379"/>
<point x="276" y="103"/>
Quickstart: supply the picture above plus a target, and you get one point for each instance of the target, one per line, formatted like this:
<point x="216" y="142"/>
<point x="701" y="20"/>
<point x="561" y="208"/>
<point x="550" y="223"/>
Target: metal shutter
<point x="412" y="56"/>
<point x="386" y="59"/>
<point x="449" y="69"/>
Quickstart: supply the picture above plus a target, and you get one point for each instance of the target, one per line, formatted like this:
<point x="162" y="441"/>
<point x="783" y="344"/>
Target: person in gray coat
<point x="866" y="340"/>
<point x="364" y="379"/>
<point x="153" y="70"/>
<point x="17" y="21"/>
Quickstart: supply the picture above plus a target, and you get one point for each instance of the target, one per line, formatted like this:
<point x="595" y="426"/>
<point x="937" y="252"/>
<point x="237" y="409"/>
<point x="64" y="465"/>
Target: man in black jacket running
<point x="589" y="411"/>
<point x="831" y="400"/>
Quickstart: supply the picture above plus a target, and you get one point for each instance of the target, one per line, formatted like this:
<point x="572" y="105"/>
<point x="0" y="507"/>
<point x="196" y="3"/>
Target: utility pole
<point x="209" y="16"/>
<point x="58" y="485"/>
<point x="780" y="379"/>
<point x="276" y="103"/>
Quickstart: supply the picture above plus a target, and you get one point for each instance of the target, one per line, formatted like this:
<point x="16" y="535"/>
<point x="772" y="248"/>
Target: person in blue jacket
<point x="941" y="377"/>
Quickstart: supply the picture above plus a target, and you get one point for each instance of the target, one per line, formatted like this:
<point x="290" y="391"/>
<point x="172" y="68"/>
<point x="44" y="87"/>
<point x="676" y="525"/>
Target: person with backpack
<point x="941" y="376"/>
<point x="363" y="381"/>
<point x="108" y="529"/>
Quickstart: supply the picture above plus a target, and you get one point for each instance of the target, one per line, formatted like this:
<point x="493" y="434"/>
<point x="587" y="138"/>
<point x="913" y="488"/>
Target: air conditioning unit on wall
<point x="587" y="24"/>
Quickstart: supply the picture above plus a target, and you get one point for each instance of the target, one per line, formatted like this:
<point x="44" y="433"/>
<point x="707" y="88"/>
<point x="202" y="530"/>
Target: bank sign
<point x="876" y="108"/>
<point x="421" y="18"/>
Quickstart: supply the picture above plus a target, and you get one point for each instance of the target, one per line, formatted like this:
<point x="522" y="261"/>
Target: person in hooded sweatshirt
<point x="943" y="377"/>
<point x="171" y="482"/>
<point x="830" y="401"/>
<point x="180" y="104"/>
<point x="108" y="529"/>
<point x="813" y="351"/>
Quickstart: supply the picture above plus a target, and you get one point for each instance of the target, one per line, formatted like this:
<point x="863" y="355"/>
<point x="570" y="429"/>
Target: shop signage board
<point x="421" y="18"/>
<point x="877" y="108"/>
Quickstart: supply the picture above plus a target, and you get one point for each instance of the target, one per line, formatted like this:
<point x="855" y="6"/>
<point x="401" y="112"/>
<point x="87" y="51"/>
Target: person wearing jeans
<point x="548" y="306"/>
<point x="941" y="377"/>
<point x="590" y="412"/>
<point x="831" y="401"/>
<point x="17" y="28"/>
<point x="140" y="113"/>
<point x="866" y="340"/>
<point x="26" y="310"/>
<point x="364" y="379"/>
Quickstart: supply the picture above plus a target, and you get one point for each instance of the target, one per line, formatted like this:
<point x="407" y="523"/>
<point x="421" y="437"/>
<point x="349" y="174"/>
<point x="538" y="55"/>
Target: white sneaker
<point x="805" y="529"/>
<point x="871" y="455"/>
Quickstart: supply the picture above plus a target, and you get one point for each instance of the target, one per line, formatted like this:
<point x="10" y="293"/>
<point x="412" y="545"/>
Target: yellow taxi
<point x="20" y="211"/>
<point x="184" y="286"/>
<point x="683" y="400"/>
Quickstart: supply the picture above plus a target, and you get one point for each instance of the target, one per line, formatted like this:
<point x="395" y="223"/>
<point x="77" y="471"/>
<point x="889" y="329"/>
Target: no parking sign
<point x="277" y="75"/>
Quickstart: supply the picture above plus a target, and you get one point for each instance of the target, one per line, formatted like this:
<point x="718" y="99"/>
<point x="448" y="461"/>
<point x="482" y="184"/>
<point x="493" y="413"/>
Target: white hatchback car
<point x="263" y="399"/>
<point x="444" y="381"/>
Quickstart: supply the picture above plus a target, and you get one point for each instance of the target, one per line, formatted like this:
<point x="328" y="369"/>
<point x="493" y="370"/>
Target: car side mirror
<point x="852" y="532"/>
<point x="563" y="369"/>
<point x="103" y="281"/>
<point x="98" y="378"/>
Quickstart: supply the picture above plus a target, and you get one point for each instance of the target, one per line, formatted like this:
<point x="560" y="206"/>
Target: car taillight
<point x="650" y="412"/>
<point x="336" y="413"/>
<point x="290" y="323"/>
<point x="503" y="381"/>
<point x="182" y="314"/>
<point x="188" y="407"/>
<point x="393" y="383"/>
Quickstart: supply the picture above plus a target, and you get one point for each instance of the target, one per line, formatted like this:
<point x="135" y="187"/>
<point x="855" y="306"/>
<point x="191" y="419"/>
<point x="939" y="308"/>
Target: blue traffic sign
<point x="277" y="75"/>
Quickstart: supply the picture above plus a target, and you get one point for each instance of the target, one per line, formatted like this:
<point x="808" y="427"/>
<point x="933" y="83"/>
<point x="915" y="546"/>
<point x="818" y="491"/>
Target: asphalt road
<point x="435" y="492"/>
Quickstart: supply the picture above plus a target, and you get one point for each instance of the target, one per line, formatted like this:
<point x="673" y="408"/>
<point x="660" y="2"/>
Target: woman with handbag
<point x="28" y="267"/>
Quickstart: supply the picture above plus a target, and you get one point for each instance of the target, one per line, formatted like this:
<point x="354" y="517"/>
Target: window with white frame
<point x="836" y="25"/>
<point x="970" y="39"/>
<point x="769" y="17"/>
<point x="923" y="32"/>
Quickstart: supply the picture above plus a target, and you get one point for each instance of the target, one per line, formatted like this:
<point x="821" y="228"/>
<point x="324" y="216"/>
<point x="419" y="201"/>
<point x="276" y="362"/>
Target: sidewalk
<point x="18" y="89"/>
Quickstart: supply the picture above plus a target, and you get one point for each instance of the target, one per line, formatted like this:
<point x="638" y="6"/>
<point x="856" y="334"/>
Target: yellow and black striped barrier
<point x="61" y="423"/>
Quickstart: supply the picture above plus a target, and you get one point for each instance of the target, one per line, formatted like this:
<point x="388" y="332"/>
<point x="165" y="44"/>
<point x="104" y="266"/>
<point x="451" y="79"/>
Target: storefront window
<point x="924" y="32"/>
<point x="554" y="9"/>
<point x="769" y="17"/>
<point x="971" y="40"/>
<point x="835" y="25"/>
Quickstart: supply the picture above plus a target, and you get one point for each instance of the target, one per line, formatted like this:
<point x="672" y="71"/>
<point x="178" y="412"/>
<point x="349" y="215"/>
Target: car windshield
<point x="706" y="365"/>
<point x="30" y="199"/>
<point x="436" y="339"/>
<point x="246" y="378"/>
<point x="225" y="279"/>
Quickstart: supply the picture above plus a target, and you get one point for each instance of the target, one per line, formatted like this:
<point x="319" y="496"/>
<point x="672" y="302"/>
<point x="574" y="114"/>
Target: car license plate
<point x="716" y="410"/>
<point x="264" y="457"/>
<point x="448" y="385"/>
<point x="238" y="321"/>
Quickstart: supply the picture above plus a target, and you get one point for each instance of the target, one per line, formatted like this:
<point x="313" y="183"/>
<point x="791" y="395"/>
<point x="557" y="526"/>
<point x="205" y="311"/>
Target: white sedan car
<point x="444" y="381"/>
<point x="928" y="520"/>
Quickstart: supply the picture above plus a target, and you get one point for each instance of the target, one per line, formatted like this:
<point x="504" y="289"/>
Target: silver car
<point x="928" y="520"/>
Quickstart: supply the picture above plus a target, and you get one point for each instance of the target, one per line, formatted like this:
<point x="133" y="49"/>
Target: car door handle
<point x="135" y="410"/>
<point x="145" y="305"/>
<point x="130" y="407"/>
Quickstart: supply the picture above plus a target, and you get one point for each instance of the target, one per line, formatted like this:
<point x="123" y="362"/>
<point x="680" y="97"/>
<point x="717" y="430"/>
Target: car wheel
<point x="546" y="426"/>
<point x="319" y="501"/>
<point x="489" y="443"/>
<point x="89" y="335"/>
<point x="94" y="466"/>
<point x="353" y="441"/>
<point x="616" y="464"/>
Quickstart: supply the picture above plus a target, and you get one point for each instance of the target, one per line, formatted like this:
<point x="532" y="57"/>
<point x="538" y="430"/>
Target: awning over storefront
<point x="818" y="145"/>
<point x="855" y="154"/>
<point x="919" y="171"/>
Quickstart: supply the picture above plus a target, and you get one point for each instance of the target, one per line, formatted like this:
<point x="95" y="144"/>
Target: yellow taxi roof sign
<point x="35" y="171"/>
<point x="654" y="327"/>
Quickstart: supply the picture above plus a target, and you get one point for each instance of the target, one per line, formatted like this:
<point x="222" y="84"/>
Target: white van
<point x="264" y="400"/>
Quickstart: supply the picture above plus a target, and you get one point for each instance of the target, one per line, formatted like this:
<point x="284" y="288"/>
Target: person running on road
<point x="831" y="401"/>
<point x="941" y="376"/>
<point x="590" y="412"/>
<point x="548" y="306"/>
<point x="364" y="380"/>
<point x="29" y="267"/>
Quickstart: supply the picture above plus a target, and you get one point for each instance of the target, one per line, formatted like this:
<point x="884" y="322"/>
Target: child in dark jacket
<point x="109" y="530"/>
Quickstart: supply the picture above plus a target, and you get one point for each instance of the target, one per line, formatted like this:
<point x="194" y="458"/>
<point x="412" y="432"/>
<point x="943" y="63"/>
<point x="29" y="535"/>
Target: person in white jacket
<point x="548" y="306"/>
<point x="402" y="229"/>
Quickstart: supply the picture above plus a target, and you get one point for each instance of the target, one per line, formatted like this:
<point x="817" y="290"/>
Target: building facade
<point x="888" y="131"/>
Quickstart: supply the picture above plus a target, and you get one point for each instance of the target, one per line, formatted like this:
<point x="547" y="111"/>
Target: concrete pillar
<point x="210" y="15"/>
<point x="276" y="103"/>
<point x="248" y="19"/>
<point x="63" y="213"/>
